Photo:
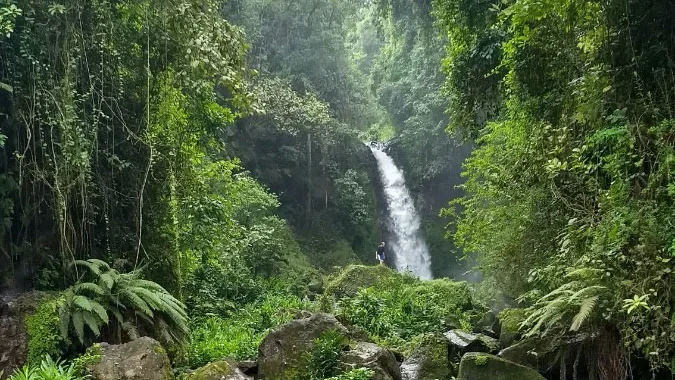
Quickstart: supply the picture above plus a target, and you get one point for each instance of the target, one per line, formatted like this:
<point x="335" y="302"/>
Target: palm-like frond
<point x="129" y="298"/>
<point x="549" y="312"/>
<point x="585" y="310"/>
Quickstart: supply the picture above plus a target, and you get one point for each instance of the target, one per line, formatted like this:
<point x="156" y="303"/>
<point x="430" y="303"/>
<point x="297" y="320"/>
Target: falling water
<point x="407" y="246"/>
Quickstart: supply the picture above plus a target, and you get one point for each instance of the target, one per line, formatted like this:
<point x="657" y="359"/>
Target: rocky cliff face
<point x="13" y="337"/>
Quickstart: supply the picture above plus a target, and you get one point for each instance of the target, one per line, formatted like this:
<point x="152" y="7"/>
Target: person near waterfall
<point x="379" y="253"/>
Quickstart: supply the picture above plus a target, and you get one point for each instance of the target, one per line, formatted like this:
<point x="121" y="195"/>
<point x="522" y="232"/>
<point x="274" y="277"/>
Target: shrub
<point x="323" y="360"/>
<point x="355" y="374"/>
<point x="132" y="301"/>
<point x="239" y="335"/>
<point x="42" y="327"/>
<point x="46" y="370"/>
<point x="392" y="315"/>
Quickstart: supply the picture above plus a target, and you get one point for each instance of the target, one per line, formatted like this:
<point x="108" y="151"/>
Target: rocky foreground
<point x="280" y="357"/>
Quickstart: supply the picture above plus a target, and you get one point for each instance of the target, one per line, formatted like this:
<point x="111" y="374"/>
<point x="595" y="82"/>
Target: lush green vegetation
<point x="569" y="201"/>
<point x="185" y="169"/>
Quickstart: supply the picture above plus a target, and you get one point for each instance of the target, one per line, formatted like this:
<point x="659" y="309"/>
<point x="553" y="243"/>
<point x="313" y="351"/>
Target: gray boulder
<point x="428" y="361"/>
<point x="534" y="353"/>
<point x="460" y="342"/>
<point x="368" y="355"/>
<point x="481" y="366"/>
<point x="280" y="352"/>
<point x="220" y="370"/>
<point x="140" y="359"/>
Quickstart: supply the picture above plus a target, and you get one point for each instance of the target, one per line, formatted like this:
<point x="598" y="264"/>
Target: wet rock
<point x="509" y="320"/>
<point x="534" y="353"/>
<point x="248" y="367"/>
<point x="13" y="336"/>
<point x="280" y="352"/>
<point x="429" y="361"/>
<point x="461" y="342"/>
<point x="368" y="355"/>
<point x="140" y="359"/>
<point x="481" y="366"/>
<point x="220" y="370"/>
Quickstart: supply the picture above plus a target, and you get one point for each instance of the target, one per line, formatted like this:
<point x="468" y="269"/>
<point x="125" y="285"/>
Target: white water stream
<point x="407" y="246"/>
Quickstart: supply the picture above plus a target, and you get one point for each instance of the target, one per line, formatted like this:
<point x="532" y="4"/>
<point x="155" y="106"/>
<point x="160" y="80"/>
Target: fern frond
<point x="136" y="301"/>
<point x="590" y="289"/>
<point x="130" y="329"/>
<point x="78" y="323"/>
<point x="585" y="311"/>
<point x="102" y="265"/>
<point x="93" y="323"/>
<point x="108" y="280"/>
<point x="88" y="287"/>
<point x="83" y="302"/>
<point x="64" y="320"/>
<point x="100" y="311"/>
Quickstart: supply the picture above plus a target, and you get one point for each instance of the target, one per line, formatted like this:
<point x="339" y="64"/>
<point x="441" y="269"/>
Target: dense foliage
<point x="570" y="192"/>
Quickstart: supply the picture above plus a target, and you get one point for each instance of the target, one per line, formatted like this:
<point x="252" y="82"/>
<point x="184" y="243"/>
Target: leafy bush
<point x="132" y="301"/>
<point x="239" y="335"/>
<point x="42" y="327"/>
<point x="354" y="374"/>
<point x="395" y="313"/>
<point x="323" y="360"/>
<point x="46" y="370"/>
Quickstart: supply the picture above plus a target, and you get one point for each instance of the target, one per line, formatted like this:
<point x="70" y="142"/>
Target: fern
<point x="571" y="302"/>
<point x="130" y="300"/>
<point x="585" y="311"/>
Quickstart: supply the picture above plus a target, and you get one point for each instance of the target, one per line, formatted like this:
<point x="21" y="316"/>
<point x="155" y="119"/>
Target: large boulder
<point x="280" y="353"/>
<point x="220" y="370"/>
<point x="481" y="366"/>
<point x="460" y="342"/>
<point x="428" y="361"/>
<point x="140" y="359"/>
<point x="509" y="321"/>
<point x="379" y="360"/>
<point x="535" y="353"/>
<point x="354" y="277"/>
<point x="13" y="337"/>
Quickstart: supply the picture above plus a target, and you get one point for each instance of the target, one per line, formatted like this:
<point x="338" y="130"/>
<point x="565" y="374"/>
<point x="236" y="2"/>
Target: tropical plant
<point x="566" y="308"/>
<point x="323" y="360"/>
<point x="48" y="369"/>
<point x="132" y="301"/>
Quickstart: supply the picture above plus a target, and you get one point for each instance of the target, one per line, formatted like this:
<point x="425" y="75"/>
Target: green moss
<point x="42" y="327"/>
<point x="510" y="319"/>
<point x="480" y="360"/>
<point x="479" y="366"/>
<point x="355" y="277"/>
<point x="90" y="357"/>
<point x="216" y="370"/>
<point x="430" y="351"/>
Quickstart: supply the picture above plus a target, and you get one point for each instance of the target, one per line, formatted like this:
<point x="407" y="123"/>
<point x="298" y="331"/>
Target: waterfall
<point x="407" y="246"/>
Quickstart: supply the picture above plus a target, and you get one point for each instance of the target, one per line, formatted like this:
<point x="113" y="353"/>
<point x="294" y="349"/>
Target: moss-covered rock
<point x="220" y="370"/>
<point x="281" y="351"/>
<point x="460" y="342"/>
<point x="540" y="354"/>
<point x="509" y="320"/>
<point x="380" y="361"/>
<point x="428" y="359"/>
<point x="456" y="296"/>
<point x="354" y="277"/>
<point x="21" y="334"/>
<point x="141" y="359"/>
<point x="481" y="366"/>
